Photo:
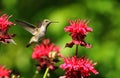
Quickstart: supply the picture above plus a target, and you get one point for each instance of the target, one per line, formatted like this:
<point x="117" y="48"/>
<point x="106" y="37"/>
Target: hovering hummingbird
<point x="38" y="31"/>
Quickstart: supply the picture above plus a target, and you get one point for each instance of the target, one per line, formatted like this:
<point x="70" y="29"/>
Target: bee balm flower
<point x="78" y="30"/>
<point x="78" y="67"/>
<point x="46" y="53"/>
<point x="4" y="27"/>
<point x="4" y="73"/>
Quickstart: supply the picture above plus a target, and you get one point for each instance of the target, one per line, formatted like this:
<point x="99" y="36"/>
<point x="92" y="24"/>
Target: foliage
<point x="103" y="15"/>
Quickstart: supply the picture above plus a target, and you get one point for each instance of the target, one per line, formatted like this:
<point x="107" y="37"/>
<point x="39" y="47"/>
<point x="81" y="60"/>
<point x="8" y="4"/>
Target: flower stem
<point x="46" y="72"/>
<point x="77" y="50"/>
<point x="36" y="73"/>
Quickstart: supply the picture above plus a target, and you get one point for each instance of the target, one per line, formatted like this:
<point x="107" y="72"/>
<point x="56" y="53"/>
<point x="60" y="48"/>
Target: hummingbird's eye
<point x="47" y="21"/>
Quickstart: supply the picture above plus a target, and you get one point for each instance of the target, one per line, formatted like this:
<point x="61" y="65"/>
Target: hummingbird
<point x="37" y="31"/>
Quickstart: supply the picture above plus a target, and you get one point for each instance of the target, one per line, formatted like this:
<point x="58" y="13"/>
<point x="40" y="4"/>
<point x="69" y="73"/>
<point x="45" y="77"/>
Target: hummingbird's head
<point x="46" y="22"/>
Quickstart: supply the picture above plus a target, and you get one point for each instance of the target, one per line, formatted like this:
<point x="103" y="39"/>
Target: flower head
<point x="4" y="73"/>
<point x="78" y="30"/>
<point x="78" y="67"/>
<point x="46" y="53"/>
<point x="4" y="27"/>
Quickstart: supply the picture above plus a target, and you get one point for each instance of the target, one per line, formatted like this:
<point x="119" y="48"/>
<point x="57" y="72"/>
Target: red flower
<point x="4" y="73"/>
<point x="46" y="53"/>
<point x="78" y="67"/>
<point x="78" y="30"/>
<point x="4" y="26"/>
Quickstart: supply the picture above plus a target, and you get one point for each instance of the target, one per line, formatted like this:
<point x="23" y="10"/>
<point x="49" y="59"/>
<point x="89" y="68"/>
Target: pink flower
<point x="46" y="53"/>
<point x="4" y="73"/>
<point x="4" y="26"/>
<point x="78" y="30"/>
<point x="78" y="67"/>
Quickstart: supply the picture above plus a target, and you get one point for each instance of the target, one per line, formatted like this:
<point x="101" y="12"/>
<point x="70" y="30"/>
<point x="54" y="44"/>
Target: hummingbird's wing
<point x="27" y="26"/>
<point x="39" y="24"/>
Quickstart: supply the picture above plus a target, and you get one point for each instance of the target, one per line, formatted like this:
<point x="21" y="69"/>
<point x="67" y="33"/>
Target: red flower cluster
<point x="78" y="30"/>
<point x="78" y="67"/>
<point x="4" y="73"/>
<point x="46" y="53"/>
<point x="4" y="26"/>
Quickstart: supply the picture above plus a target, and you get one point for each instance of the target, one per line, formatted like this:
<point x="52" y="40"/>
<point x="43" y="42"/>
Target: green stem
<point x="36" y="73"/>
<point x="77" y="50"/>
<point x="46" y="72"/>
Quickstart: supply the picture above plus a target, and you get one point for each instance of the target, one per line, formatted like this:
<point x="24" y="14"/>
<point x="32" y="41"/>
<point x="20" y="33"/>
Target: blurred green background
<point x="104" y="18"/>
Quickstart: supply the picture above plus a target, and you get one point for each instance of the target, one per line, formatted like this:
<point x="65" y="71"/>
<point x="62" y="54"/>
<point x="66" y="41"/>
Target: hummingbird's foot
<point x="28" y="45"/>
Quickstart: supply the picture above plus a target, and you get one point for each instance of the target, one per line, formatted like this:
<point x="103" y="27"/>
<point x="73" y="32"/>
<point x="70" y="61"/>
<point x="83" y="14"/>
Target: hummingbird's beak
<point x="54" y="22"/>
